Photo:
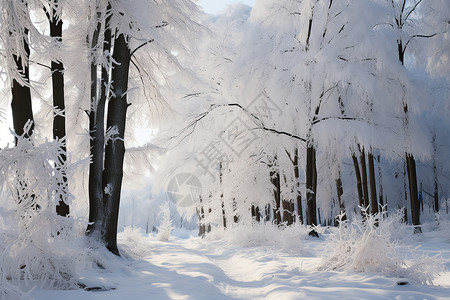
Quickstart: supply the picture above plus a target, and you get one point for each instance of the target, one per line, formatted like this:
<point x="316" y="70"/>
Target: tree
<point x="97" y="119"/>
<point x="116" y="27"/>
<point x="54" y="16"/>
<point x="115" y="147"/>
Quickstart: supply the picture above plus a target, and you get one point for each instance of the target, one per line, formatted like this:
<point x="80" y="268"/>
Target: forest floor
<point x="188" y="267"/>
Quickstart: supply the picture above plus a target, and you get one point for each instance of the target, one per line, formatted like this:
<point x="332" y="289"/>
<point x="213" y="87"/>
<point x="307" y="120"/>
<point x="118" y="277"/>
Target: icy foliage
<point x="372" y="246"/>
<point x="36" y="245"/>
<point x="165" y="226"/>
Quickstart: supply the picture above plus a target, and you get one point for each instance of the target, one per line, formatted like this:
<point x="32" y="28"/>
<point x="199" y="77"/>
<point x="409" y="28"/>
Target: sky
<point x="216" y="6"/>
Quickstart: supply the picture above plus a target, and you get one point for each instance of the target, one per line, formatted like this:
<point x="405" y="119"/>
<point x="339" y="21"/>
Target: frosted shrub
<point x="362" y="246"/>
<point x="36" y="245"/>
<point x="165" y="227"/>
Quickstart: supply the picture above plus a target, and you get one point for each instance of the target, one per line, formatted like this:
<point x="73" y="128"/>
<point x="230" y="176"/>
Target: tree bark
<point x="373" y="187"/>
<point x="275" y="180"/>
<point x="224" y="217"/>
<point x="412" y="178"/>
<point x="311" y="186"/>
<point x="59" y="116"/>
<point x="257" y="214"/>
<point x="115" y="147"/>
<point x="364" y="178"/>
<point x="358" y="180"/>
<point x="340" y="193"/>
<point x="97" y="131"/>
<point x="435" y="175"/>
<point x="297" y="185"/>
<point x="380" y="182"/>
<point x="22" y="111"/>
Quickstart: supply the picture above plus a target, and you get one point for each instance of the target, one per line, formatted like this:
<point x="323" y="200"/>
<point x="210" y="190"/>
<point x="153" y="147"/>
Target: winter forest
<point x="293" y="149"/>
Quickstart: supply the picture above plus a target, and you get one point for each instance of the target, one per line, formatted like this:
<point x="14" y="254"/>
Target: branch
<point x="413" y="9"/>
<point x="418" y="36"/>
<point x="258" y="122"/>
<point x="192" y="95"/>
<point x="335" y="118"/>
<point x="164" y="24"/>
<point x="42" y="65"/>
<point x="140" y="46"/>
<point x="282" y="133"/>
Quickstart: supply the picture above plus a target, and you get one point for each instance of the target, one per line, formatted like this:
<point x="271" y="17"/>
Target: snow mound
<point x="263" y="234"/>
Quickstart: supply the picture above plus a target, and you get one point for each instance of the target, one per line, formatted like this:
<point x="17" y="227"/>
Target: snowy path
<point x="197" y="269"/>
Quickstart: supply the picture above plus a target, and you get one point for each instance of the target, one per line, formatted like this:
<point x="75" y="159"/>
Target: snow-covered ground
<point x="189" y="267"/>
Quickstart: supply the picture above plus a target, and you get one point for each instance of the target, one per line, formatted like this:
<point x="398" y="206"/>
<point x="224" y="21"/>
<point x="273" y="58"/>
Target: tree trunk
<point x="311" y="184"/>
<point x="435" y="175"/>
<point x="358" y="180"/>
<point x="410" y="161"/>
<point x="340" y="192"/>
<point x="59" y="116"/>
<point x="257" y="214"/>
<point x="373" y="188"/>
<point x="275" y="180"/>
<point x="380" y="182"/>
<point x="412" y="177"/>
<point x="22" y="111"/>
<point x="298" y="198"/>
<point x="364" y="178"/>
<point x="97" y="132"/>
<point x="224" y="218"/>
<point x="115" y="147"/>
<point x="297" y="182"/>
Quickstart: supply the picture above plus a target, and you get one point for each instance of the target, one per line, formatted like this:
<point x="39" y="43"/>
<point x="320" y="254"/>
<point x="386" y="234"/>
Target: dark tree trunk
<point x="97" y="132"/>
<point x="22" y="111"/>
<point x="340" y="193"/>
<point x="435" y="175"/>
<point x="275" y="180"/>
<point x="311" y="185"/>
<point x="59" y="117"/>
<point x="358" y="180"/>
<point x="415" y="209"/>
<point x="267" y="212"/>
<point x="373" y="188"/>
<point x="410" y="161"/>
<point x="380" y="182"/>
<point x="224" y="218"/>
<point x="364" y="178"/>
<point x="297" y="182"/>
<point x="287" y="214"/>
<point x="235" y="215"/>
<point x="201" y="216"/>
<point x="288" y="211"/>
<point x="115" y="147"/>
<point x="257" y="214"/>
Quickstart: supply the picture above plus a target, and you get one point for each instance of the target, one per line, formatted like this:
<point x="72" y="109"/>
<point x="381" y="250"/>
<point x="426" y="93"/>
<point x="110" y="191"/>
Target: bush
<point x="373" y="245"/>
<point x="36" y="245"/>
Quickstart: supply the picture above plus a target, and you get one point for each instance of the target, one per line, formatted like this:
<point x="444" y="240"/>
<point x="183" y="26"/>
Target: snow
<point x="189" y="267"/>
